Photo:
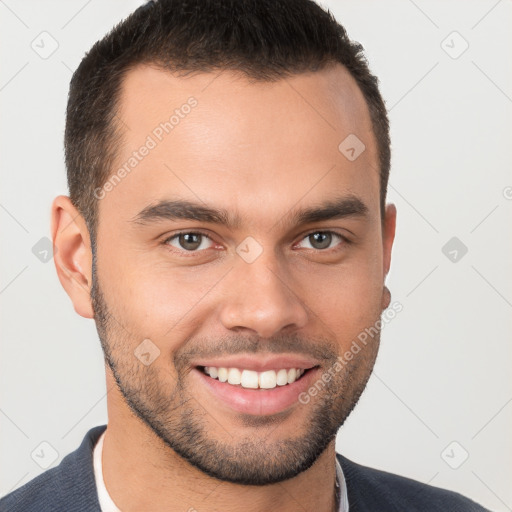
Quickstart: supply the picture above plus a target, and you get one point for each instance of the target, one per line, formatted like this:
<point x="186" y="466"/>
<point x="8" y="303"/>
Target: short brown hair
<point x="265" y="39"/>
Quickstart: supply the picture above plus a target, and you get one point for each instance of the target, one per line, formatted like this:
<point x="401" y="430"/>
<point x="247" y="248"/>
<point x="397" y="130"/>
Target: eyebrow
<point x="183" y="209"/>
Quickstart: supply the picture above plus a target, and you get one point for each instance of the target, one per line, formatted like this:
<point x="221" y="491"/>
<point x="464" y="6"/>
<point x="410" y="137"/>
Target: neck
<point x="142" y="473"/>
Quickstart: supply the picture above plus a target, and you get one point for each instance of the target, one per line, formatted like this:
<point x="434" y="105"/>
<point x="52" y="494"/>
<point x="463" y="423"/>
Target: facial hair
<point x="162" y="400"/>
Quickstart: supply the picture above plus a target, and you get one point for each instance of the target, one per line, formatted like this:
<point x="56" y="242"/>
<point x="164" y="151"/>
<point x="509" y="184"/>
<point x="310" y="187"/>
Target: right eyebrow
<point x="183" y="209"/>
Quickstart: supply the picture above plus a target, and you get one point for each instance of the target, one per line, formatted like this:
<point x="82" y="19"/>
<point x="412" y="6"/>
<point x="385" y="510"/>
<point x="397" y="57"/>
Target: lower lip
<point x="257" y="401"/>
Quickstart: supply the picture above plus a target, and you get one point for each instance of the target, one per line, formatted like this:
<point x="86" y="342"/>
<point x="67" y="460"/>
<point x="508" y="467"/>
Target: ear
<point x="72" y="254"/>
<point x="388" y="236"/>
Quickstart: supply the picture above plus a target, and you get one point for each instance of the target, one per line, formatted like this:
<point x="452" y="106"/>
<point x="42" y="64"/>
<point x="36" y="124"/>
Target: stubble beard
<point x="170" y="410"/>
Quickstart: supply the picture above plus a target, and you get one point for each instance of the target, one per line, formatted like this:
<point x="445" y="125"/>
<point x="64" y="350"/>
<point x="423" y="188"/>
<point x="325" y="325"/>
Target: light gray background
<point x="443" y="371"/>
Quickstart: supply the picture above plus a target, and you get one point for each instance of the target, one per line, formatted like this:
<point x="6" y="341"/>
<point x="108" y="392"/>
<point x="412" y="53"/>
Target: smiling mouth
<point x="250" y="379"/>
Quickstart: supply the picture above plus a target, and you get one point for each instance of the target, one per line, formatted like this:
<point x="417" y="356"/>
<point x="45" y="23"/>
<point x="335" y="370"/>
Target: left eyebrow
<point x="340" y="208"/>
<point x="172" y="210"/>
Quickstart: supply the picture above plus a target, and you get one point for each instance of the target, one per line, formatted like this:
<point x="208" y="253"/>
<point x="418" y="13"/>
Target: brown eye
<point x="188" y="241"/>
<point x="322" y="240"/>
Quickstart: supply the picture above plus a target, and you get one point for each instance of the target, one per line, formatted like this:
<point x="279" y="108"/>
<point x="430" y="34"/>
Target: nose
<point x="259" y="297"/>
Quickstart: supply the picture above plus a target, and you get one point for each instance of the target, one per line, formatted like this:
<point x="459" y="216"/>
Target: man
<point x="228" y="232"/>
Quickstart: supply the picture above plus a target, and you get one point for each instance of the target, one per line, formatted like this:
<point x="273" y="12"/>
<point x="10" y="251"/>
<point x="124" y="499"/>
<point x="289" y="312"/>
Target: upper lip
<point x="259" y="364"/>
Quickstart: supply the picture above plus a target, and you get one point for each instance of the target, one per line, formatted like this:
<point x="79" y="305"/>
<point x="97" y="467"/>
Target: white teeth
<point x="251" y="379"/>
<point x="268" y="379"/>
<point x="282" y="378"/>
<point x="234" y="376"/>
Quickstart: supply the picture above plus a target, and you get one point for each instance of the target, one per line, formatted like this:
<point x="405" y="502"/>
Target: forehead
<point x="255" y="147"/>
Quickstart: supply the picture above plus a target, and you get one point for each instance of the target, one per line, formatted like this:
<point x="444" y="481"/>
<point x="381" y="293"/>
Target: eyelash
<point x="165" y="242"/>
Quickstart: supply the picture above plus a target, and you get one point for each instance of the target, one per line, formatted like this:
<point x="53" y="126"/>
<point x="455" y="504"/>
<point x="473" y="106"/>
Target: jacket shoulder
<point x="40" y="493"/>
<point x="68" y="487"/>
<point x="371" y="489"/>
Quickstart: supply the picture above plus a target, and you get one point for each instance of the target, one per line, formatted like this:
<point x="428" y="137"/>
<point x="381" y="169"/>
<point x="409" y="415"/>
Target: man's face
<point x="269" y="293"/>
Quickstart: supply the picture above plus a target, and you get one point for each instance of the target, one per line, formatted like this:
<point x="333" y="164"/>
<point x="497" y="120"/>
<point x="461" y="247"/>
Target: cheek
<point x="350" y="298"/>
<point x="156" y="300"/>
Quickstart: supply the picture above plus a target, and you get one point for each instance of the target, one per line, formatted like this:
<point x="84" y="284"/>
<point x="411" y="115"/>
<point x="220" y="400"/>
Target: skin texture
<point x="263" y="151"/>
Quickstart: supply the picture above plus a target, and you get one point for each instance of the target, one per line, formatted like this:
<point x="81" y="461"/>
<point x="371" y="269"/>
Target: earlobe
<point x="386" y="298"/>
<point x="72" y="255"/>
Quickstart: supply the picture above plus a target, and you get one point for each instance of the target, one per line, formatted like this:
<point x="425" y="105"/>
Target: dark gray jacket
<point x="70" y="487"/>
